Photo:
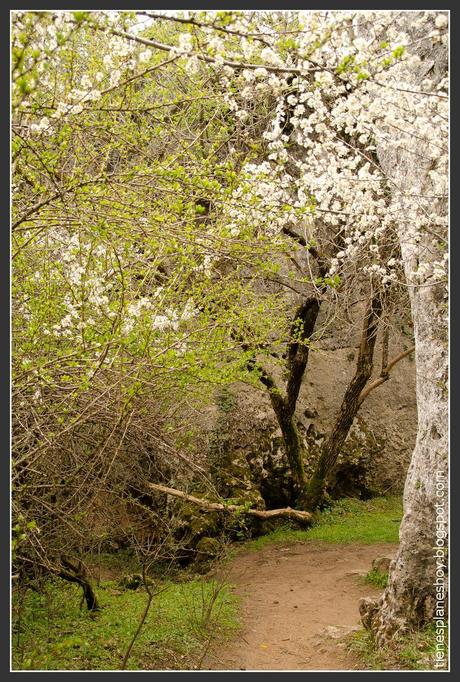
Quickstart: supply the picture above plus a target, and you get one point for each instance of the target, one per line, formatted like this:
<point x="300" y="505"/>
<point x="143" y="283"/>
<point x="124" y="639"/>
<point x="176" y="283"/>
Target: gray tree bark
<point x="411" y="598"/>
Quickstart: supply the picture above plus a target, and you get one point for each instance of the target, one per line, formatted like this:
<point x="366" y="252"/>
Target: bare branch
<point x="384" y="375"/>
<point x="287" y="512"/>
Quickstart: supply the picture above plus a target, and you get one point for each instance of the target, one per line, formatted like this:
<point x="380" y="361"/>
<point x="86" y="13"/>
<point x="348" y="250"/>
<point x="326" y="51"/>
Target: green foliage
<point x="334" y="282"/>
<point x="80" y="16"/>
<point x="53" y="633"/>
<point x="414" y="651"/>
<point x="376" y="578"/>
<point x="125" y="297"/>
<point x="21" y="531"/>
<point x="286" y="44"/>
<point x="398" y="52"/>
<point x="346" y="64"/>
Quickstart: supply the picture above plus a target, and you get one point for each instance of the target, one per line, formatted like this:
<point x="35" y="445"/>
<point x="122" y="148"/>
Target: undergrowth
<point x="376" y="578"/>
<point x="414" y="651"/>
<point x="53" y="633"/>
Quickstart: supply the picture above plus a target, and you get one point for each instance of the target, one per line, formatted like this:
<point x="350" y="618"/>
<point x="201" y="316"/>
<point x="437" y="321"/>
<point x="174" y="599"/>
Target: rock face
<point x="247" y="455"/>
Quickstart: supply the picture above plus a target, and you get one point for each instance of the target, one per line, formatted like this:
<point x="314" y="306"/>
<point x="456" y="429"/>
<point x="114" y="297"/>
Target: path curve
<point x="298" y="601"/>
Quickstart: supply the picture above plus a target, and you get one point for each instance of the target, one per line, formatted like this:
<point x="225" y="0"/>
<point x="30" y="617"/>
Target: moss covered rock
<point x="132" y="581"/>
<point x="208" y="547"/>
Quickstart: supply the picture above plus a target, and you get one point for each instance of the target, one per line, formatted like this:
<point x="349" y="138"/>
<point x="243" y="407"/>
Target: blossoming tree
<point x="164" y="166"/>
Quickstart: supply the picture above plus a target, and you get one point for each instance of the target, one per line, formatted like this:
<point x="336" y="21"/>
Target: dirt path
<point x="298" y="601"/>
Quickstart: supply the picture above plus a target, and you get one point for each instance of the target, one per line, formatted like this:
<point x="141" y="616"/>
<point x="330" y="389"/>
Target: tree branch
<point x="384" y="375"/>
<point x="301" y="516"/>
<point x="202" y="57"/>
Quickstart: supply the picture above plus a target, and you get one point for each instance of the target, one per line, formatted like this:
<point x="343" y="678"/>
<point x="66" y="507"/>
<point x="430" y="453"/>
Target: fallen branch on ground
<point x="302" y="516"/>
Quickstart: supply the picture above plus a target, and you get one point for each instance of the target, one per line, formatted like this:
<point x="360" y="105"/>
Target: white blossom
<point x="145" y="55"/>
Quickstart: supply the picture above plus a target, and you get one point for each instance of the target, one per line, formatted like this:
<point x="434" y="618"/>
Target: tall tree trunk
<point x="291" y="439"/>
<point x="284" y="405"/>
<point x="315" y="490"/>
<point x="412" y="596"/>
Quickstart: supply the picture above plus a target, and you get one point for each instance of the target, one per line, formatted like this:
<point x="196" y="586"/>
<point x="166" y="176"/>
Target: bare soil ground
<point x="298" y="602"/>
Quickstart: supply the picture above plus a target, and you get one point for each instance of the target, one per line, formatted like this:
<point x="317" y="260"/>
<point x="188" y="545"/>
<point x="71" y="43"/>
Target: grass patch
<point x="348" y="520"/>
<point x="54" y="634"/>
<point x="109" y="565"/>
<point x="415" y="651"/>
<point x="376" y="578"/>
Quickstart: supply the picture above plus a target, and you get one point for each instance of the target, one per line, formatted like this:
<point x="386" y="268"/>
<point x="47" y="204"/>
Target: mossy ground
<point x="53" y="633"/>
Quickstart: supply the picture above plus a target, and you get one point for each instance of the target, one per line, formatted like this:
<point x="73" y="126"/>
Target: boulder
<point x="132" y="581"/>
<point x="208" y="547"/>
<point x="382" y="564"/>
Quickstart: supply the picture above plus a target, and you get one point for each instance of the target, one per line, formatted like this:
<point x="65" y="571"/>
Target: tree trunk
<point x="298" y="351"/>
<point x="315" y="490"/>
<point x="293" y="447"/>
<point x="416" y="588"/>
<point x="410" y="600"/>
<point x="302" y="328"/>
<point x="75" y="573"/>
<point x="291" y="439"/>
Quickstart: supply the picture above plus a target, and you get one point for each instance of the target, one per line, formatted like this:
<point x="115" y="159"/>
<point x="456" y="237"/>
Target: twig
<point x="150" y="596"/>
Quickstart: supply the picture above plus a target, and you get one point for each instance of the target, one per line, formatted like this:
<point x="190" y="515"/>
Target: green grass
<point x="54" y="634"/>
<point x="348" y="520"/>
<point x="415" y="651"/>
<point x="376" y="578"/>
<point x="108" y="565"/>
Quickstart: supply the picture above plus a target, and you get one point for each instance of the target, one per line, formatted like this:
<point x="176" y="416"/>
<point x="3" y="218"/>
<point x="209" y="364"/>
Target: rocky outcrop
<point x="247" y="457"/>
<point x="240" y="444"/>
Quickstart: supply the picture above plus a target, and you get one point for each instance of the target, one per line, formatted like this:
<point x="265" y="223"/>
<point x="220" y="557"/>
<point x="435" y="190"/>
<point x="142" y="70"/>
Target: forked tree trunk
<point x="411" y="598"/>
<point x="309" y="494"/>
<point x="284" y="405"/>
<point x="315" y="490"/>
